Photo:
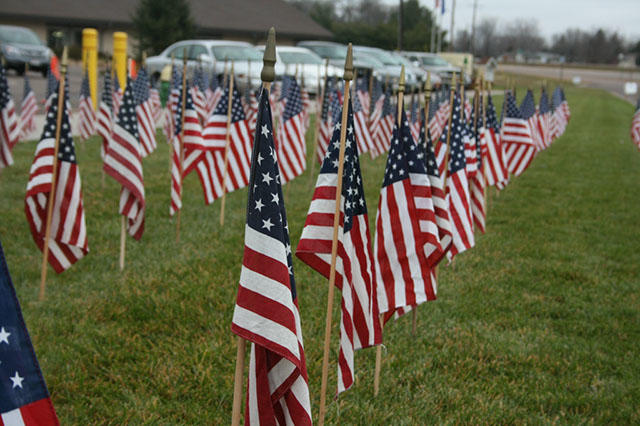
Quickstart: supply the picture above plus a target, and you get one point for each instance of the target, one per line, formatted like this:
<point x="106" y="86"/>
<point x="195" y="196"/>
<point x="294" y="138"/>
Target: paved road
<point x="612" y="81"/>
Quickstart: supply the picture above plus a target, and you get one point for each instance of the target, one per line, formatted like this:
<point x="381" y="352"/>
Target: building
<point x="246" y="20"/>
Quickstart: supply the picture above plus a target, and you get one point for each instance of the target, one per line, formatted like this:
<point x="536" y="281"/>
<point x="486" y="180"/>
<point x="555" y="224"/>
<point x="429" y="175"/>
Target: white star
<point x="259" y="205"/>
<point x="335" y="163"/>
<point x="4" y="336"/>
<point x="17" y="381"/>
<point x="267" y="224"/>
<point x="401" y="172"/>
<point x="276" y="198"/>
<point x="260" y="159"/>
<point x="265" y="130"/>
<point x="336" y="144"/>
<point x="347" y="204"/>
<point x="350" y="129"/>
<point x="288" y="248"/>
<point x="266" y="178"/>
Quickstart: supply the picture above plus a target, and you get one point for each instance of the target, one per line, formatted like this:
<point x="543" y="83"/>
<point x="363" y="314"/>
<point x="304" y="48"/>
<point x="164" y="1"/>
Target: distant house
<point x="246" y="20"/>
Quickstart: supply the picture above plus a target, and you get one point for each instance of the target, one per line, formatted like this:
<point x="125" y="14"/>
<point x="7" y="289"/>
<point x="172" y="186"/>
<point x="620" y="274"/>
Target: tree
<point x="158" y="23"/>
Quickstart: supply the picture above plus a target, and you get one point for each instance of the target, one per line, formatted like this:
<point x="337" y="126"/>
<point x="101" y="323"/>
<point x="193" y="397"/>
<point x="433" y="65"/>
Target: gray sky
<point x="552" y="16"/>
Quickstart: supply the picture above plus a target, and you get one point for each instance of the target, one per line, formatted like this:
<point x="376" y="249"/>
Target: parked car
<point x="392" y="66"/>
<point x="21" y="46"/>
<point x="421" y="73"/>
<point x="310" y="66"/>
<point x="212" y="55"/>
<point x="434" y="63"/>
<point x="336" y="53"/>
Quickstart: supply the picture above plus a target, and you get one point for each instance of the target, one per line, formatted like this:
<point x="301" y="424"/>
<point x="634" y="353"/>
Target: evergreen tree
<point x="158" y="23"/>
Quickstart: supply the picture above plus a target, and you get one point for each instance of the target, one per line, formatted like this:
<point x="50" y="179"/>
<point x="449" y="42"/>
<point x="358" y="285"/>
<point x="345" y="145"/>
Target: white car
<point x="310" y="66"/>
<point x="213" y="55"/>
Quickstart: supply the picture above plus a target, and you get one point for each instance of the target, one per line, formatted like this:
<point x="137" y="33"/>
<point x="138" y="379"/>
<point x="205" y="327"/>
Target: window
<point x="178" y="51"/>
<point x="236" y="53"/>
<point x="196" y="51"/>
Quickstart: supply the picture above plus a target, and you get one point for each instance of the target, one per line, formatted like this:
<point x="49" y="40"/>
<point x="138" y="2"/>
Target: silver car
<point x="213" y="56"/>
<point x="434" y="63"/>
<point x="336" y="53"/>
<point x="392" y="66"/>
<point x="21" y="46"/>
<point x="310" y="66"/>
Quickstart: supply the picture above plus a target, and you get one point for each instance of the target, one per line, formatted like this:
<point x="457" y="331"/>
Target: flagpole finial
<point x="427" y="84"/>
<point x="453" y="82"/>
<point x="401" y="83"/>
<point x="65" y="60"/>
<point x="144" y="59"/>
<point x="268" y="73"/>
<point x="348" y="64"/>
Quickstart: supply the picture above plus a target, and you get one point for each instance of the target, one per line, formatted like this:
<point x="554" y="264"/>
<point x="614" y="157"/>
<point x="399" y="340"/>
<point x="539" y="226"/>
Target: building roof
<point x="252" y="17"/>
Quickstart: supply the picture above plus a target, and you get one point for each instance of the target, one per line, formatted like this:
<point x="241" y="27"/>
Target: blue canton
<point x="66" y="150"/>
<point x="4" y="88"/>
<point x="403" y="155"/>
<point x="456" y="154"/>
<point x="127" y="118"/>
<point x="106" y="92"/>
<point x="528" y="106"/>
<point x="141" y="87"/>
<point x="293" y="106"/>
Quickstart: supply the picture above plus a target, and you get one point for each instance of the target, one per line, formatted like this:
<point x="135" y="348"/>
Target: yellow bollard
<point x="90" y="61"/>
<point x="120" y="57"/>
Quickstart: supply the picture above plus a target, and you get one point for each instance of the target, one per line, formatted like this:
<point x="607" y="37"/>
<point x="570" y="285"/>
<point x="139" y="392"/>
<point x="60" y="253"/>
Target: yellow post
<point x="90" y="61"/>
<point x="120" y="57"/>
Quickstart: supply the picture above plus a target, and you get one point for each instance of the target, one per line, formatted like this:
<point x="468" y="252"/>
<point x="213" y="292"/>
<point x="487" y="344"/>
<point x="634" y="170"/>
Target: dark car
<point x="21" y="46"/>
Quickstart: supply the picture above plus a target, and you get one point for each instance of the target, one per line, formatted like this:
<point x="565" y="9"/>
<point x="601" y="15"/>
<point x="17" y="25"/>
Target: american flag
<point x="362" y="92"/>
<point x="382" y="131"/>
<point x="210" y="165"/>
<point x="528" y="111"/>
<point x="52" y="83"/>
<point x="87" y="113"/>
<point x="28" y="109"/>
<point x="24" y="398"/>
<point x="174" y="94"/>
<point x="495" y="169"/>
<point x="252" y="110"/>
<point x="156" y="103"/>
<point x="116" y="96"/>
<point x="414" y="118"/>
<point x="561" y="113"/>
<point x="9" y="129"/>
<point x="458" y="197"/>
<point x="427" y="153"/>
<point x="518" y="144"/>
<point x="105" y="113"/>
<point x="477" y="179"/>
<point x="123" y="162"/>
<point x="68" y="242"/>
<point x="363" y="136"/>
<point x="635" y="125"/>
<point x="291" y="142"/>
<point x="144" y="113"/>
<point x="330" y="103"/>
<point x="199" y="100"/>
<point x="544" y="120"/>
<point x="266" y="311"/>
<point x="406" y="246"/>
<point x="213" y="93"/>
<point x="359" y="324"/>
<point x="440" y="118"/>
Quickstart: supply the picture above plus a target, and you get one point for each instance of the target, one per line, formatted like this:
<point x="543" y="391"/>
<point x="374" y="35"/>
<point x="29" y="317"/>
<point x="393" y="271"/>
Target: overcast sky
<point x="552" y="16"/>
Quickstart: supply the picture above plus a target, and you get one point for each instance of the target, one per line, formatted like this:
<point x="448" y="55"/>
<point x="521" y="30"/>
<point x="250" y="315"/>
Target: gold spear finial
<point x="65" y="60"/>
<point x="348" y="64"/>
<point x="401" y="83"/>
<point x="268" y="73"/>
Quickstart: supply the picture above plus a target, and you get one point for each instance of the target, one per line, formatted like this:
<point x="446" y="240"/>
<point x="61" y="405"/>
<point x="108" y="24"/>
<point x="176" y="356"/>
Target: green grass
<point x="539" y="323"/>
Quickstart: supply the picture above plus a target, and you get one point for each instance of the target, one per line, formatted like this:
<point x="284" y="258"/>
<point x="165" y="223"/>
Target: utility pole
<point x="472" y="42"/>
<point x="400" y="26"/>
<point x="453" y="14"/>
<point x="432" y="45"/>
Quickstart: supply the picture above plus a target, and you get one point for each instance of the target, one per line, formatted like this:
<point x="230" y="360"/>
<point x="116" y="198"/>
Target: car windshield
<point x="19" y="35"/>
<point x="433" y="60"/>
<point x="369" y="60"/>
<point x="385" y="57"/>
<point x="299" y="58"/>
<point x="236" y="53"/>
<point x="330" y="51"/>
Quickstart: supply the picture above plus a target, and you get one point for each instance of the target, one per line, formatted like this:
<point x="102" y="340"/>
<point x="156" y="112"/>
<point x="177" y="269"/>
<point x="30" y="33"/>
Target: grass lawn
<point x="539" y="323"/>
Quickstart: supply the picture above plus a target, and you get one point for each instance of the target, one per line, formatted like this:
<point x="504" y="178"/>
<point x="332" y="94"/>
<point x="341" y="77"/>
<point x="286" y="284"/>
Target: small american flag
<point x="363" y="136"/>
<point x="68" y="242"/>
<point x="458" y="197"/>
<point x="518" y="144"/>
<point x="87" y="113"/>
<point x="544" y="120"/>
<point x="199" y="100"/>
<point x="528" y="111"/>
<point x="213" y="93"/>
<point x="266" y="311"/>
<point x="635" y="126"/>
<point x="175" y="93"/>
<point x="9" y="129"/>
<point x="28" y="109"/>
<point x="291" y="142"/>
<point x="123" y="162"/>
<point x="478" y="208"/>
<point x="362" y="91"/>
<point x="144" y="113"/>
<point x="116" y="96"/>
<point x="24" y="398"/>
<point x="359" y="324"/>
<point x="382" y="132"/>
<point x="105" y="113"/>
<point x="495" y="170"/>
<point x="52" y="83"/>
<point x="406" y="244"/>
<point x="414" y="117"/>
<point x="326" y="127"/>
<point x="561" y="113"/>
<point x="210" y="166"/>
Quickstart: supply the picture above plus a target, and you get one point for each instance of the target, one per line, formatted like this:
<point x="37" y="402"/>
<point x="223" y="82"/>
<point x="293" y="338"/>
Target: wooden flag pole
<point x="227" y="143"/>
<point x="52" y="192"/>
<point x="267" y="75"/>
<point x="181" y="143"/>
<point x="318" y="119"/>
<point x="123" y="223"/>
<point x="378" y="367"/>
<point x="348" y="76"/>
<point x="173" y="60"/>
